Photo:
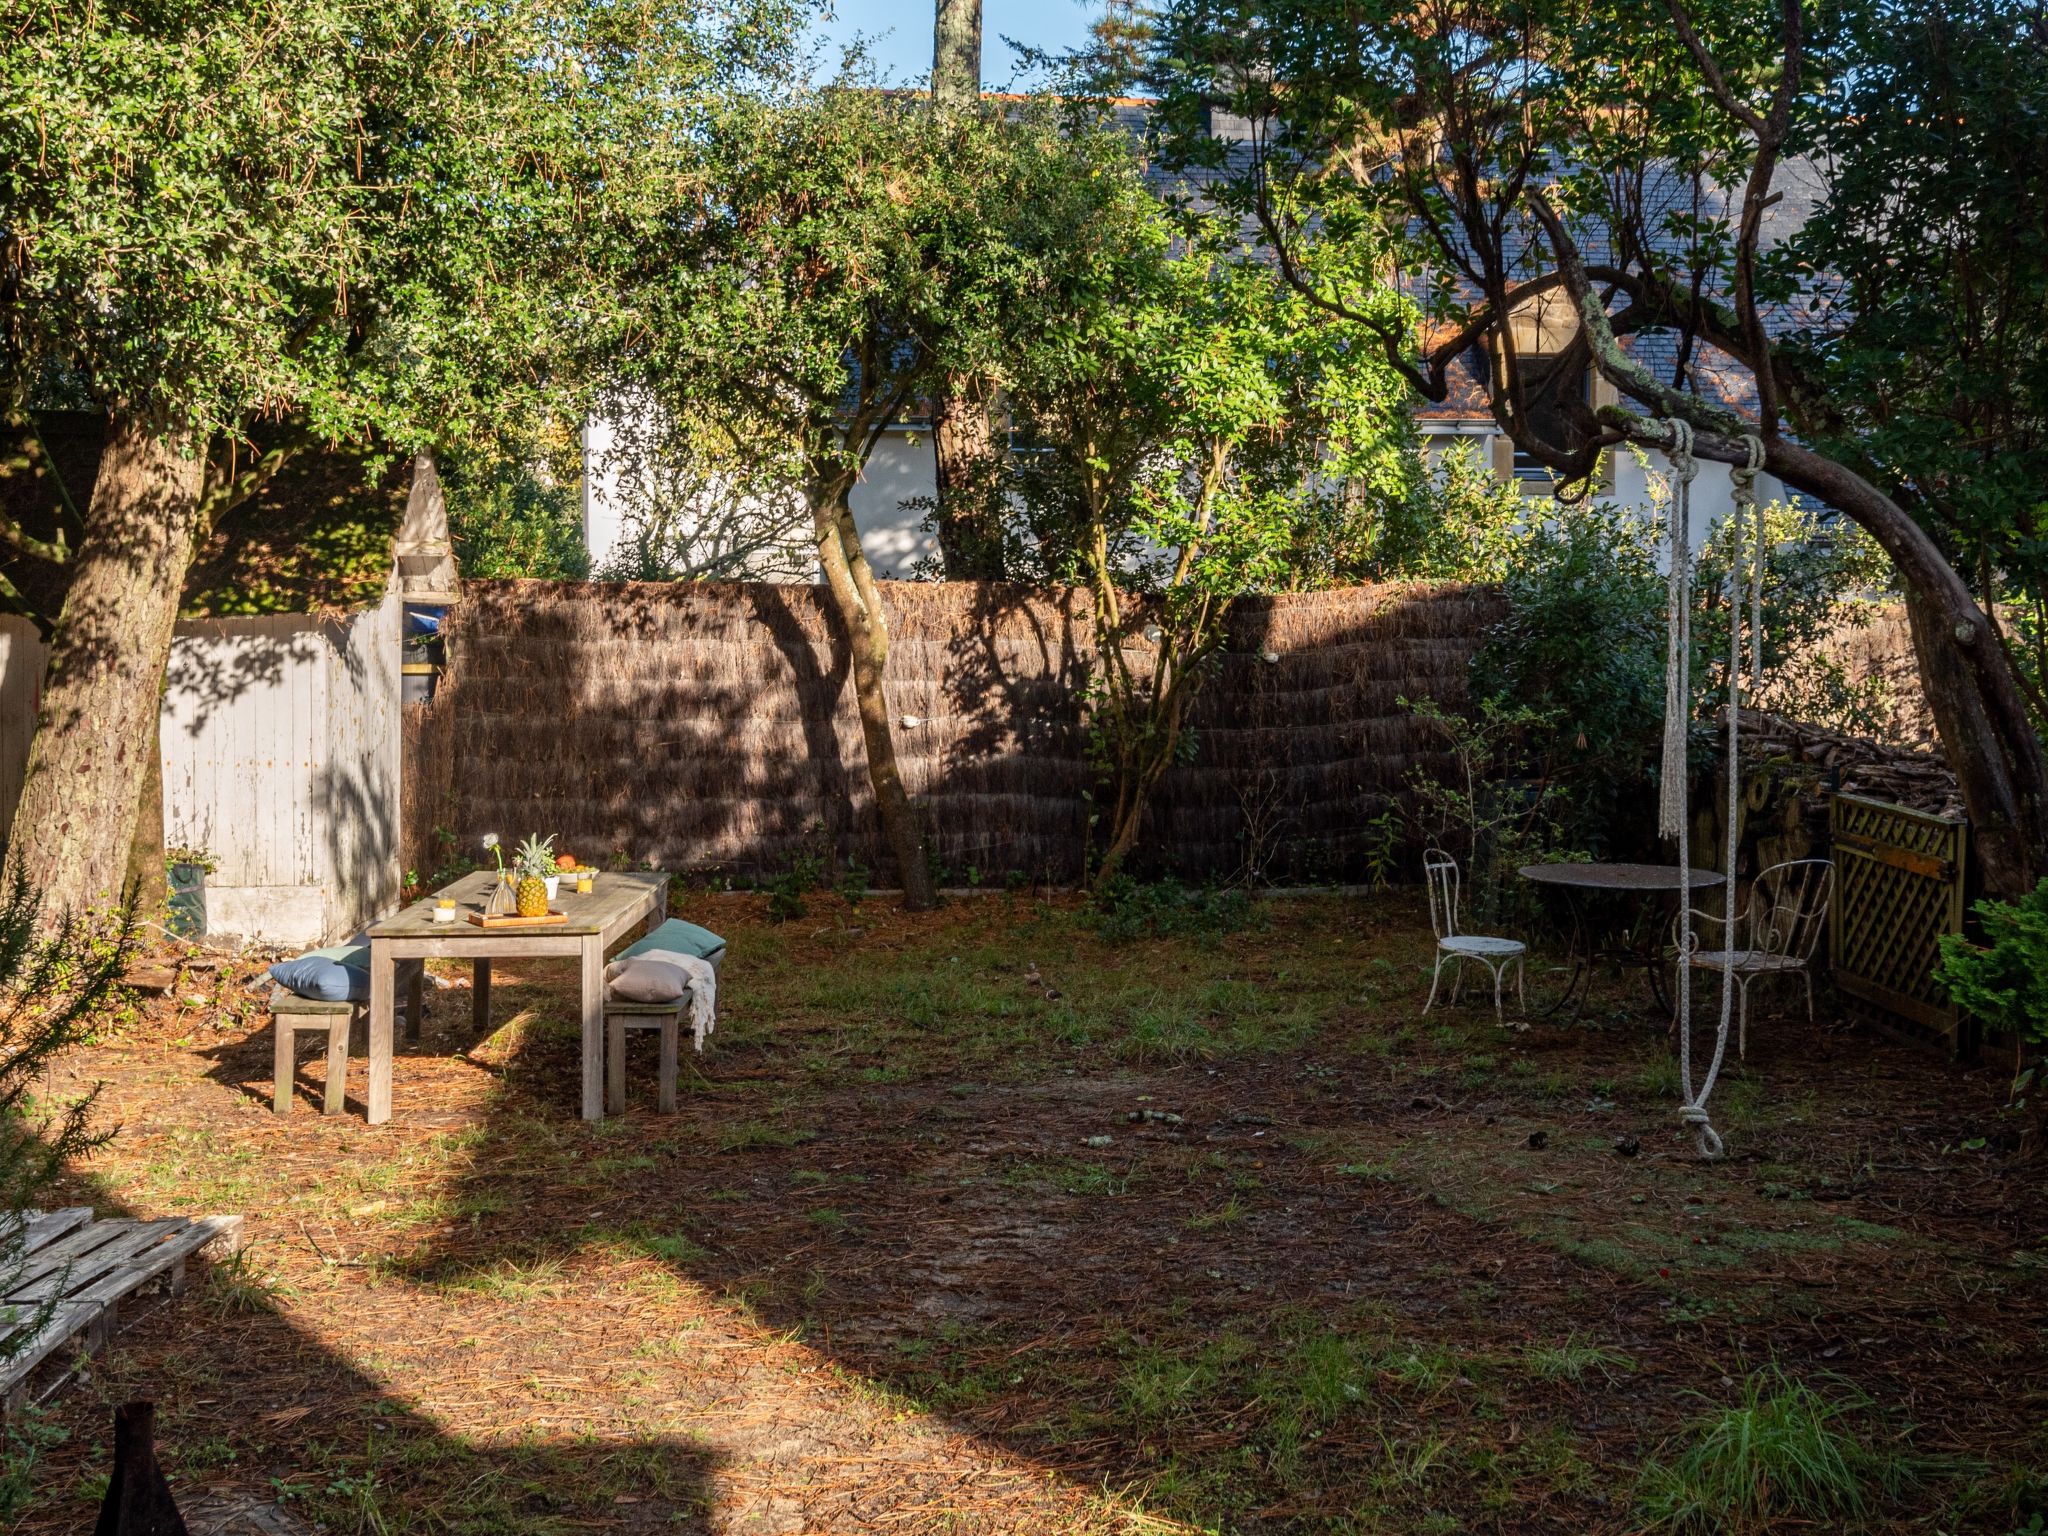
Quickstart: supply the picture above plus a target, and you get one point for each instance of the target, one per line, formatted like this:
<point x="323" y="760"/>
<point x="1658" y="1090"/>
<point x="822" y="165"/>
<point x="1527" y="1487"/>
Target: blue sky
<point x="900" y="33"/>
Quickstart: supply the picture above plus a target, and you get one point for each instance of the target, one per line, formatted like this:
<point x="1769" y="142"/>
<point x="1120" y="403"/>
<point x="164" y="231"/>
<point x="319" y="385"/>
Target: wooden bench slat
<point x="284" y="1000"/>
<point x="43" y="1227"/>
<point x="65" y="1321"/>
<point x="66" y="1280"/>
<point x="645" y="1010"/>
<point x="138" y="1270"/>
<point x="68" y="1250"/>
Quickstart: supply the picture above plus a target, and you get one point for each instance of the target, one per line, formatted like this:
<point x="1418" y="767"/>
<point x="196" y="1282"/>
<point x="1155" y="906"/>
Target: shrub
<point x="2003" y="983"/>
<point x="1124" y="908"/>
<point x="1583" y="640"/>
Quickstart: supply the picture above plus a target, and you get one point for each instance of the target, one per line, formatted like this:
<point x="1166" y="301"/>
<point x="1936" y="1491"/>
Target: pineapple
<point x="534" y="863"/>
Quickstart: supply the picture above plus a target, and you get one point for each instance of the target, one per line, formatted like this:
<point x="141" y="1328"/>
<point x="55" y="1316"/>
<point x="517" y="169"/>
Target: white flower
<point x="490" y="839"/>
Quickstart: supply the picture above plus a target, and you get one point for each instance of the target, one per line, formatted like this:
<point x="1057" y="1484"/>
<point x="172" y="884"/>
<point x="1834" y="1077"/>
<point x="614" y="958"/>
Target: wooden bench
<point x="621" y="1016"/>
<point x="67" y="1279"/>
<point x="294" y="1015"/>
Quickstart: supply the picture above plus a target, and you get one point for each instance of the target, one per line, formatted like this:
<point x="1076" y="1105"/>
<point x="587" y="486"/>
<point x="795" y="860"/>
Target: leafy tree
<point x="513" y="507"/>
<point x="963" y="431"/>
<point x="838" y="253"/>
<point x="700" y="504"/>
<point x="1625" y="157"/>
<point x="1187" y="418"/>
<point x="359" y="217"/>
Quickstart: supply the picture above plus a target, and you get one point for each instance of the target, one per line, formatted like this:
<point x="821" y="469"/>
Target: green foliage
<point x="536" y="857"/>
<point x="1783" y="1451"/>
<point x="29" y="1436"/>
<point x="2004" y="981"/>
<point x="360" y="214"/>
<point x="1491" y="810"/>
<point x="511" y="513"/>
<point x="1583" y="641"/>
<point x="1123" y="909"/>
<point x="1450" y="520"/>
<point x="1819" y="576"/>
<point x="54" y="986"/>
<point x="1189" y="422"/>
<point x="833" y="252"/>
<point x="1933" y="358"/>
<point x="813" y="867"/>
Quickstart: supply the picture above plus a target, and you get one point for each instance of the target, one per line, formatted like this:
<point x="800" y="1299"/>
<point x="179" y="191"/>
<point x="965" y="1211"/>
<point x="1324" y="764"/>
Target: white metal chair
<point x="1775" y="933"/>
<point x="1440" y="874"/>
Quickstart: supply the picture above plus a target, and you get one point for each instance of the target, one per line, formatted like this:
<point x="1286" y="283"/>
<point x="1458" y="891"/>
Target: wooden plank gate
<point x="1899" y="878"/>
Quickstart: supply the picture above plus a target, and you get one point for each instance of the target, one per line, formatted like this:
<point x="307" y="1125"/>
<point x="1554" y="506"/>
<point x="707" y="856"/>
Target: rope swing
<point x="1745" y="568"/>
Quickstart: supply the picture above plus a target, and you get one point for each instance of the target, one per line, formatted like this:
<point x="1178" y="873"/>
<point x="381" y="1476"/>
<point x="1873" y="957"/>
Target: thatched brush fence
<point x="710" y="726"/>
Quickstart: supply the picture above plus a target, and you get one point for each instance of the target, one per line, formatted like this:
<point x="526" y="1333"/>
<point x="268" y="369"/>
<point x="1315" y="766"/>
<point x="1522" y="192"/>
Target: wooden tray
<point x="518" y="922"/>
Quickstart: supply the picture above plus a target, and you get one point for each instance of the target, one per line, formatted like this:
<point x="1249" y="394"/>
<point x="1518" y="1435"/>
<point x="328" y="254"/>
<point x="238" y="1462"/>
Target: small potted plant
<point x="538" y="881"/>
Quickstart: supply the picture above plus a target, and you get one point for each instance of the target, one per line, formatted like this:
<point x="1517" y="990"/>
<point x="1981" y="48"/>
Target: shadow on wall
<point x="711" y="726"/>
<point x="359" y="801"/>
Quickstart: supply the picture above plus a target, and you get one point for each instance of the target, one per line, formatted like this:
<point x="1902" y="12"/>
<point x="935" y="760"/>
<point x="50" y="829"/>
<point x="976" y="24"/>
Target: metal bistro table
<point x="619" y="905"/>
<point x="1596" y="935"/>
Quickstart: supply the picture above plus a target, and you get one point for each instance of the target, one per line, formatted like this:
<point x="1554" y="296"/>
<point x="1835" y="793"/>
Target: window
<point x="1546" y="389"/>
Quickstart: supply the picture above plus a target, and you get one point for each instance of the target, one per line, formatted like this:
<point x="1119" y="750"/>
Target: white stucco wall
<point x="901" y="468"/>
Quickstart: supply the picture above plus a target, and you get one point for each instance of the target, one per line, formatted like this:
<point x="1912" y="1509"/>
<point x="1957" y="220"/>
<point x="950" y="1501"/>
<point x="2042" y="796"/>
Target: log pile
<point x="1919" y="780"/>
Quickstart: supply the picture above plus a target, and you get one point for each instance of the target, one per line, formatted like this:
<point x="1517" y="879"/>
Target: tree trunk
<point x="956" y="55"/>
<point x="95" y="730"/>
<point x="850" y="582"/>
<point x="147" y="877"/>
<point x="970" y="533"/>
<point x="1979" y="712"/>
<point x="969" y="517"/>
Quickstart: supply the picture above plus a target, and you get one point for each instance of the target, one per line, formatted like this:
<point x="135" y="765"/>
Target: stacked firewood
<point x="1853" y="765"/>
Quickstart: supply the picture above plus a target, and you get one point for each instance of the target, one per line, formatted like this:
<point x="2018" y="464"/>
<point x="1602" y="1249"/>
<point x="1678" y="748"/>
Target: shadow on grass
<point x="1220" y="1226"/>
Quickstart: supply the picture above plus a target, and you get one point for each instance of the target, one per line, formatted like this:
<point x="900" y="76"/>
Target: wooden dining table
<point x="620" y="903"/>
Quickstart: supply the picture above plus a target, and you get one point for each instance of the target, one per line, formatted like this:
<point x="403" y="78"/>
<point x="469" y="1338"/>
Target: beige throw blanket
<point x="664" y="975"/>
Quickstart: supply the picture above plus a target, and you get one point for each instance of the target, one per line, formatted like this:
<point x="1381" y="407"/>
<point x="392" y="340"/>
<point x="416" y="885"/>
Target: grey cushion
<point x="645" y="981"/>
<point x="684" y="938"/>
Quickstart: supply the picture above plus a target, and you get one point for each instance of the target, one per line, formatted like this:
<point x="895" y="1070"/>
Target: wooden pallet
<point x="63" y="1277"/>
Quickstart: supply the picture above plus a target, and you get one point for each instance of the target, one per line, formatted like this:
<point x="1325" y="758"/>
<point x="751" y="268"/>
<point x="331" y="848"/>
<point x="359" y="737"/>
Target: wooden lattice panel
<point x="1899" y="887"/>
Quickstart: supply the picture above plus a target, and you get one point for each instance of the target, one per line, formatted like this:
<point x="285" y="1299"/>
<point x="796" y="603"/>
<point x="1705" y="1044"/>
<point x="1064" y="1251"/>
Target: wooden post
<point x="383" y="1003"/>
<point x="593" y="1027"/>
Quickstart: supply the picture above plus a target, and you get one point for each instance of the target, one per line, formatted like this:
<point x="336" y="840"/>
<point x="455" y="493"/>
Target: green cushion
<point x="684" y="938"/>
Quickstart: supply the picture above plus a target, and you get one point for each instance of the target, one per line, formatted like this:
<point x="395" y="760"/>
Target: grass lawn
<point x="982" y="1222"/>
